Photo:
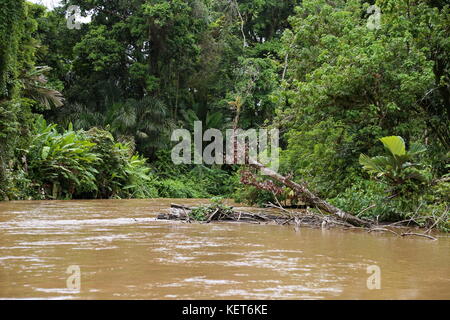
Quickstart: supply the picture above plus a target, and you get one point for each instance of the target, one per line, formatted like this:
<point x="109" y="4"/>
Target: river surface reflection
<point x="123" y="252"/>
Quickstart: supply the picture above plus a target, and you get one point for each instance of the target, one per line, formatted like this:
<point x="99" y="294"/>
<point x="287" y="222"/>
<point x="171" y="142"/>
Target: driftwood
<point x="183" y="213"/>
<point x="305" y="218"/>
<point x="403" y="234"/>
<point x="418" y="235"/>
<point x="311" y="198"/>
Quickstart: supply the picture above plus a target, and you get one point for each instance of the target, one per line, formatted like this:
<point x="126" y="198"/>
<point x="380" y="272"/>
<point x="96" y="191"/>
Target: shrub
<point x="120" y="174"/>
<point x="61" y="164"/>
<point x="367" y="199"/>
<point x="252" y="196"/>
<point x="203" y="212"/>
<point x="398" y="168"/>
<point x="177" y="188"/>
<point x="80" y="164"/>
<point x="139" y="182"/>
<point x="191" y="181"/>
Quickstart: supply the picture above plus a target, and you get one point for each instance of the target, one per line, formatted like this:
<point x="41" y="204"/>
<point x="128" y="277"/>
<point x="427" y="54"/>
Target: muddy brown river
<point x="123" y="252"/>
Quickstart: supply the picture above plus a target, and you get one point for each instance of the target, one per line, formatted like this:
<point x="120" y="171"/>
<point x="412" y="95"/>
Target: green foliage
<point x="321" y="156"/>
<point x="192" y="184"/>
<point x="35" y="86"/>
<point x="140" y="184"/>
<point x="121" y="174"/>
<point x="404" y="189"/>
<point x="345" y="86"/>
<point x="215" y="181"/>
<point x="202" y="213"/>
<point x="79" y="164"/>
<point x="311" y="68"/>
<point x="145" y="123"/>
<point x="398" y="168"/>
<point x="250" y="194"/>
<point x="11" y="29"/>
<point x="11" y="32"/>
<point x="18" y="49"/>
<point x="61" y="164"/>
<point x="191" y="181"/>
<point x="180" y="188"/>
<point x="368" y="199"/>
<point x="151" y="51"/>
<point x="256" y="79"/>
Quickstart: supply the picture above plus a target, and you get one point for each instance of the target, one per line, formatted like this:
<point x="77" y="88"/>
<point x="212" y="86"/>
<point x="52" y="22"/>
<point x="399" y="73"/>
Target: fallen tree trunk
<point x="305" y="218"/>
<point x="184" y="213"/>
<point x="311" y="198"/>
<point x="180" y="212"/>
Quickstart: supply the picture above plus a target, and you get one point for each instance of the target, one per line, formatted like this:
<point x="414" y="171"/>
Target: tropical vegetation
<point x="364" y="113"/>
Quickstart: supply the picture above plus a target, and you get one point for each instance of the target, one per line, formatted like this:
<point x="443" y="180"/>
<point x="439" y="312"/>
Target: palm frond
<point x="35" y="87"/>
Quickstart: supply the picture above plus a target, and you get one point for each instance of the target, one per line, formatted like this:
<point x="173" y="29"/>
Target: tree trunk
<point x="311" y="198"/>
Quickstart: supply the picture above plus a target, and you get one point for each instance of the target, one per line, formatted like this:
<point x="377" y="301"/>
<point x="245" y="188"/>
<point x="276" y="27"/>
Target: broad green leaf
<point x="395" y="144"/>
<point x="375" y="164"/>
<point x="416" y="148"/>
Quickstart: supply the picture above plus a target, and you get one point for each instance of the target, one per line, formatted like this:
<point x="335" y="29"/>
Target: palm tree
<point x="214" y="120"/>
<point x="145" y="123"/>
<point x="35" y="87"/>
<point x="146" y="120"/>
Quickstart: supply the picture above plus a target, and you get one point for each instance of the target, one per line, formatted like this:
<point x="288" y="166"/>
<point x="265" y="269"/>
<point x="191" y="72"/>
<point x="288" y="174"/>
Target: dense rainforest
<point x="363" y="110"/>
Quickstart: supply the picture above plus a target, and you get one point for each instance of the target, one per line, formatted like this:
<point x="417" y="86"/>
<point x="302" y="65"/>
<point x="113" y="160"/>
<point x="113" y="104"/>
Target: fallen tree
<point x="210" y="213"/>
<point x="301" y="190"/>
<point x="220" y="212"/>
<point x="309" y="197"/>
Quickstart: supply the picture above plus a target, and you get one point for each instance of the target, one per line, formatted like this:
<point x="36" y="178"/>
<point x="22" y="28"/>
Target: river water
<point x="123" y="252"/>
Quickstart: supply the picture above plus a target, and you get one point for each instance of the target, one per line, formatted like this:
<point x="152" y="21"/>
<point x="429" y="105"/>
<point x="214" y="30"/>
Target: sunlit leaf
<point x="395" y="144"/>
